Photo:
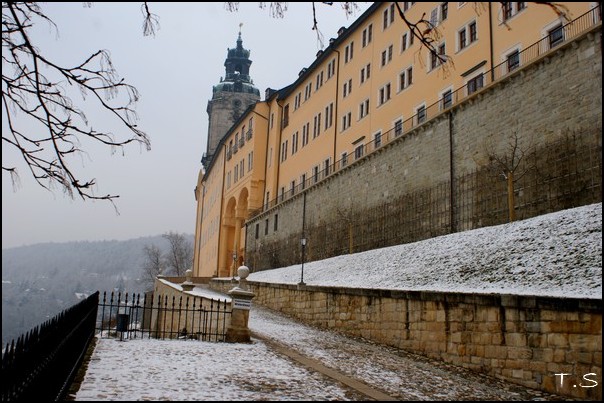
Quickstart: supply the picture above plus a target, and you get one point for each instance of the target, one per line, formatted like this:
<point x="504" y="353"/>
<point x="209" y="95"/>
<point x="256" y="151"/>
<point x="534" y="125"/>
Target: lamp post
<point x="303" y="243"/>
<point x="234" y="263"/>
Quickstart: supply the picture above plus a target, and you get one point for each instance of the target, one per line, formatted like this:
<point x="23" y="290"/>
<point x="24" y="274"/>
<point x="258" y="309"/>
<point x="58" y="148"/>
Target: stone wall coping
<point x="489" y="299"/>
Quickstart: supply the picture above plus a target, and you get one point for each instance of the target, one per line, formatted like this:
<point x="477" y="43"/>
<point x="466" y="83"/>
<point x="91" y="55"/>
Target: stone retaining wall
<point x="523" y="339"/>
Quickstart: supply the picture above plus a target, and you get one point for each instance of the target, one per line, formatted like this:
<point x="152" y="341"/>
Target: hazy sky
<point x="174" y="72"/>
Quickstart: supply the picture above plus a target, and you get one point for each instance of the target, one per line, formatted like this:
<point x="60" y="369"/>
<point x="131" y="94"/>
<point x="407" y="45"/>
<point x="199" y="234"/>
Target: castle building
<point x="374" y="83"/>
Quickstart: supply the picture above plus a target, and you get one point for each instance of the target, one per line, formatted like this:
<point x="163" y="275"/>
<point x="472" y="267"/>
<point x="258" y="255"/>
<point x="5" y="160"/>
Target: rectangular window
<point x="344" y="159"/>
<point x="316" y="174"/>
<point x="319" y="82"/>
<point x="387" y="56"/>
<point x="421" y="114"/>
<point x="328" y="116"/>
<point x="556" y="36"/>
<point x="284" y="151"/>
<point x="438" y="59"/>
<point x="305" y="130"/>
<point x="358" y="152"/>
<point x="398" y="127"/>
<point x="295" y="143"/>
<point x="236" y="173"/>
<point x="473" y="32"/>
<point x="384" y="94"/>
<point x="377" y="140"/>
<point x="346" y="121"/>
<point x="316" y="126"/>
<point x="434" y="17"/>
<point x="462" y="39"/>
<point x="513" y="60"/>
<point x="307" y="91"/>
<point x="447" y="99"/>
<point x="276" y="223"/>
<point x="285" y="116"/>
<point x="292" y="187"/>
<point x="404" y="43"/>
<point x="257" y="230"/>
<point x="266" y="227"/>
<point x="444" y="11"/>
<point x="367" y="34"/>
<point x="348" y="52"/>
<point x="326" y="167"/>
<point x="364" y="109"/>
<point x="388" y="16"/>
<point x="506" y="10"/>
<point x="475" y="84"/>
<point x="250" y="161"/>
<point x="303" y="181"/>
<point x="297" y="100"/>
<point x="331" y="68"/>
<point x="365" y="73"/>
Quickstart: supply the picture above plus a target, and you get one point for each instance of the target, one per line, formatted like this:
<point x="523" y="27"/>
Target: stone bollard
<point x="238" y="331"/>
<point x="188" y="285"/>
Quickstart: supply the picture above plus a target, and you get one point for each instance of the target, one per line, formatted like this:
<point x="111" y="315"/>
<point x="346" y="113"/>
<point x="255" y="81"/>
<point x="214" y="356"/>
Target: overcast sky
<point x="174" y="72"/>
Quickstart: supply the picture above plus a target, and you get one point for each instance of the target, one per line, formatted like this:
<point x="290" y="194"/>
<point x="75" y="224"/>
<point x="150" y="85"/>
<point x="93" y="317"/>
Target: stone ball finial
<point x="243" y="272"/>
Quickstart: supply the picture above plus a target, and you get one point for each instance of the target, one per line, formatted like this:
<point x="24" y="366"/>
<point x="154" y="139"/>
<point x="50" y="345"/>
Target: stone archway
<point x="227" y="239"/>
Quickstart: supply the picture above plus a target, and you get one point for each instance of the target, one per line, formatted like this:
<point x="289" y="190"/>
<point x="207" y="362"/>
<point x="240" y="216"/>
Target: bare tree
<point x="507" y="163"/>
<point x="153" y="264"/>
<point x="180" y="255"/>
<point x="35" y="92"/>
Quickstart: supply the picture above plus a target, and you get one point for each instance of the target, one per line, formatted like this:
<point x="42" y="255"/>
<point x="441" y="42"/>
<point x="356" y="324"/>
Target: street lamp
<point x="234" y="263"/>
<point x="303" y="243"/>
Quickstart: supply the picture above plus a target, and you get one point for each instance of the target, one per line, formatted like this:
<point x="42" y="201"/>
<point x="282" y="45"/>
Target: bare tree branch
<point x="34" y="91"/>
<point x="153" y="264"/>
<point x="180" y="255"/>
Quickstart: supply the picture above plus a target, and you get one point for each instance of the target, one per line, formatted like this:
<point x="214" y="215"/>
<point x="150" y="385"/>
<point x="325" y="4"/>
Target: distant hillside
<point x="39" y="281"/>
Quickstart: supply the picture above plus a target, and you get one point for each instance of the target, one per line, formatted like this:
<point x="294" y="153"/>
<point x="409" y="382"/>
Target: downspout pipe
<point x="335" y="112"/>
<point x="491" y="41"/>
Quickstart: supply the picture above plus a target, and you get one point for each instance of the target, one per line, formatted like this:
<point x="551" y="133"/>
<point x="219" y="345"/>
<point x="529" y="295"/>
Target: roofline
<point x="331" y="48"/>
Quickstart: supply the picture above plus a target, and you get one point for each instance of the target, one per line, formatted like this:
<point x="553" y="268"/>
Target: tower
<point x="230" y="97"/>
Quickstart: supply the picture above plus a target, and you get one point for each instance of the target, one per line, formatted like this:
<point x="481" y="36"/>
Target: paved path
<point x="286" y="360"/>
<point x="380" y="372"/>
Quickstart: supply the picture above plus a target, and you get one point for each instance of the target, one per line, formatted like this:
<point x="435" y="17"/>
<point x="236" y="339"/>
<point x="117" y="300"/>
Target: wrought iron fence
<point x="539" y="49"/>
<point x="162" y="317"/>
<point x="41" y="364"/>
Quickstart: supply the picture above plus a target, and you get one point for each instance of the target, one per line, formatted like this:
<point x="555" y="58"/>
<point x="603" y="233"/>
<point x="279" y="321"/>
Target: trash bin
<point x="122" y="322"/>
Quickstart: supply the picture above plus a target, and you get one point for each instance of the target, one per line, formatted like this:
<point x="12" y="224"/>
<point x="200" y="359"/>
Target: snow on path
<point x="400" y="374"/>
<point x="195" y="370"/>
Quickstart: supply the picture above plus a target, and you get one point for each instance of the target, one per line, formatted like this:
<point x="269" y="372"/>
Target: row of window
<point x="240" y="138"/>
<point x="266" y="226"/>
<point x="318" y="121"/>
<point x="239" y="169"/>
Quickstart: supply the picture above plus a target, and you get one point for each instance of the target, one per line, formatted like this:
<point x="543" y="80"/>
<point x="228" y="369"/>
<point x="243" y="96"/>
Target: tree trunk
<point x="511" y="201"/>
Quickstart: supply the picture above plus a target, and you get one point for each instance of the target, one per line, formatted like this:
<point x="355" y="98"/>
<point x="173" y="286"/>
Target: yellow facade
<point x="371" y="84"/>
<point x="226" y="194"/>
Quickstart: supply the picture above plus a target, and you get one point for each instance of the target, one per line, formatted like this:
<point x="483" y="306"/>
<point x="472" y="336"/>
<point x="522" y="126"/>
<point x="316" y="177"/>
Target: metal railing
<point x="41" y="364"/>
<point x="532" y="53"/>
<point x="162" y="317"/>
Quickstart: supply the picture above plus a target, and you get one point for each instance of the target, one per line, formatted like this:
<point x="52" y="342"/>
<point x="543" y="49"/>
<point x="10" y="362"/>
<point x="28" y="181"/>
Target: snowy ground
<point x="194" y="370"/>
<point x="558" y="254"/>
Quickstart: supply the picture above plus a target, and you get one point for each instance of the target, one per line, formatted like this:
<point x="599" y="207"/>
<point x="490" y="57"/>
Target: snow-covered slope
<point x="558" y="254"/>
